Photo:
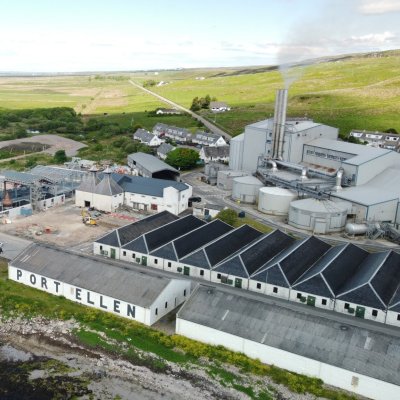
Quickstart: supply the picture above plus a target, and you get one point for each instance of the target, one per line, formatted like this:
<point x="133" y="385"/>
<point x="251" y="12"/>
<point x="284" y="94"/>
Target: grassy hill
<point x="351" y="92"/>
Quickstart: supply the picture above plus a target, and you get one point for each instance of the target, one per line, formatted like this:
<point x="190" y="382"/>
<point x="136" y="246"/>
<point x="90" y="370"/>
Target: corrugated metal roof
<point x="313" y="334"/>
<point x="108" y="187"/>
<point x="149" y="162"/>
<point x="92" y="274"/>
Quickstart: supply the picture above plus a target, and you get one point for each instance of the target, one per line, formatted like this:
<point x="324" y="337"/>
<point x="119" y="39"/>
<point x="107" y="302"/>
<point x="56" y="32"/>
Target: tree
<point x="182" y="158"/>
<point x="60" y="157"/>
<point x="228" y="216"/>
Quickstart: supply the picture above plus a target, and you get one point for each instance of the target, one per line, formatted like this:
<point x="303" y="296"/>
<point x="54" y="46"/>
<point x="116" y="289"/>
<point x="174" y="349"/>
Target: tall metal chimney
<point x="278" y="130"/>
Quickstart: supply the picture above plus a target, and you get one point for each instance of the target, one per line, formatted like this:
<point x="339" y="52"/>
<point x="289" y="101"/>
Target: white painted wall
<point x="340" y="307"/>
<point x="330" y="303"/>
<point x="52" y="202"/>
<point x="391" y="318"/>
<point x="99" y="201"/>
<point x="214" y="278"/>
<point x="330" y="374"/>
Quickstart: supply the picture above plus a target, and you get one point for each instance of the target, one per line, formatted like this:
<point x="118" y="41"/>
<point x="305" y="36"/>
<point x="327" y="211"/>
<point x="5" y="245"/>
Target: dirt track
<point x="54" y="142"/>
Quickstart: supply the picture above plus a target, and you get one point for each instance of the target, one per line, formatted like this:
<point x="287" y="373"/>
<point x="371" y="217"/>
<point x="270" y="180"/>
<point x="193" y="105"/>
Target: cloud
<point x="373" y="38"/>
<point x="379" y="6"/>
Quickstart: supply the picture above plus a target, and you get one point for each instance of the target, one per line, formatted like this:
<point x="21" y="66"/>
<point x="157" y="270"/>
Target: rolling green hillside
<point x="352" y="92"/>
<point x="361" y="92"/>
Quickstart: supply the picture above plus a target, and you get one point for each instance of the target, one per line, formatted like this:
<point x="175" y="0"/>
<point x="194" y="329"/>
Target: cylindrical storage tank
<point x="356" y="229"/>
<point x="245" y="189"/>
<point x="236" y="152"/>
<point x="225" y="178"/>
<point x="275" y="200"/>
<point x="318" y="216"/>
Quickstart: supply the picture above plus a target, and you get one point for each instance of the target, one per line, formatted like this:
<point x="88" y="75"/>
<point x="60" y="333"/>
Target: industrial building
<point x="139" y="193"/>
<point x="306" y="158"/>
<point x="358" y="357"/>
<point x="342" y="278"/>
<point x="41" y="188"/>
<point x="149" y="166"/>
<point x="98" y="284"/>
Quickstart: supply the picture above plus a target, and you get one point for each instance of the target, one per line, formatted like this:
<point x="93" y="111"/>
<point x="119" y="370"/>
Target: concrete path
<point x="12" y="245"/>
<point x="213" y="128"/>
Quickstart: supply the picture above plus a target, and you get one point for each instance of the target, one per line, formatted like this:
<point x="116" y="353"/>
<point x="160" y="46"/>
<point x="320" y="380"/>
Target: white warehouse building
<point x="98" y="284"/>
<point x="357" y="357"/>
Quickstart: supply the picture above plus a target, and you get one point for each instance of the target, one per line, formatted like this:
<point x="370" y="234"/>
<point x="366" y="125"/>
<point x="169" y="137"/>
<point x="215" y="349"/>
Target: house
<point x="139" y="193"/>
<point x="361" y="358"/>
<point x="213" y="153"/>
<point x="98" y="284"/>
<point x="167" y="111"/>
<point x="149" y="166"/>
<point x="164" y="149"/>
<point x="180" y="135"/>
<point x="147" y="138"/>
<point x="219" y="106"/>
<point x="390" y="141"/>
<point x="208" y="139"/>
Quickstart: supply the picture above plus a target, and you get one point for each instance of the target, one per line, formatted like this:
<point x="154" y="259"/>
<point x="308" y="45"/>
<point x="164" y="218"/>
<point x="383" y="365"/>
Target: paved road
<point x="213" y="128"/>
<point x="12" y="245"/>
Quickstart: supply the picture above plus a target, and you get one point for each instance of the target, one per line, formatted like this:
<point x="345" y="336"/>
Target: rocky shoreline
<point x="108" y="377"/>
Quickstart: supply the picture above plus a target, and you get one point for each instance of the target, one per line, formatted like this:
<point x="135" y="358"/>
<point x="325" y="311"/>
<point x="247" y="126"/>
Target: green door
<point x="186" y="271"/>
<point x="144" y="261"/>
<point x="112" y="253"/>
<point x="238" y="283"/>
<point x="360" y="312"/>
<point x="311" y="301"/>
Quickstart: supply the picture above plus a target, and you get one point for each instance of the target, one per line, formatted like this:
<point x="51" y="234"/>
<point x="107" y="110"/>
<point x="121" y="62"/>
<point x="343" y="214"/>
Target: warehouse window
<point x="398" y="317"/>
<point x="101" y="247"/>
<point x="299" y="295"/>
<point x="202" y="272"/>
<point x="259" y="285"/>
<point x="166" y="304"/>
<point x="155" y="261"/>
<point x="133" y="255"/>
<point x="169" y="265"/>
<point x="374" y="313"/>
<point x="124" y="253"/>
<point x="156" y="311"/>
<point x="275" y="289"/>
<point x="218" y="276"/>
<point x="184" y="293"/>
<point x="346" y="306"/>
<point x="323" y="301"/>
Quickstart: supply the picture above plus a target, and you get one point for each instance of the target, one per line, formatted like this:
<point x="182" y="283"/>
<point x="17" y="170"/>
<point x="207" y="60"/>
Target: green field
<point x="359" y="92"/>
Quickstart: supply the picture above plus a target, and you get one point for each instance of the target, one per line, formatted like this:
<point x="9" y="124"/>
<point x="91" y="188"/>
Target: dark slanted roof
<point x="193" y="240"/>
<point x="108" y="187"/>
<point x="362" y="348"/>
<point x="92" y="274"/>
<point x="272" y="275"/>
<point x="121" y="236"/>
<point x="344" y="266"/>
<point x="360" y="289"/>
<point x="138" y="245"/>
<point x="197" y="259"/>
<point x="143" y="135"/>
<point x="148" y="186"/>
<point x="171" y="231"/>
<point x="387" y="279"/>
<point x="165" y="148"/>
<point x="89" y="183"/>
<point x="395" y="301"/>
<point x="149" y="162"/>
<point x="231" y="243"/>
<point x="303" y="257"/>
<point x="255" y="256"/>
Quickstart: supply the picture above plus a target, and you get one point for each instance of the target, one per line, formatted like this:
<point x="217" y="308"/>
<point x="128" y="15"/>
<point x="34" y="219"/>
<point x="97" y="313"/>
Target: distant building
<point x="208" y="139"/>
<point x="207" y="210"/>
<point x="389" y="141"/>
<point x="164" y="149"/>
<point x="167" y="111"/>
<point x="219" y="106"/>
<point x="212" y="153"/>
<point x="151" y="167"/>
<point x="180" y="135"/>
<point x="147" y="138"/>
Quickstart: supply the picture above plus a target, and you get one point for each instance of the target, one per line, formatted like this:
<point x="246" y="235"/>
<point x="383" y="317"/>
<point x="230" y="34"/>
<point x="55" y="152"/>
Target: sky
<point x="120" y="35"/>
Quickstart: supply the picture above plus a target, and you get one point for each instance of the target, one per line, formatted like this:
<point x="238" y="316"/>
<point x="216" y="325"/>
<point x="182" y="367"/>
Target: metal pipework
<point x="339" y="177"/>
<point x="278" y="129"/>
<point x="273" y="164"/>
<point x="304" y="174"/>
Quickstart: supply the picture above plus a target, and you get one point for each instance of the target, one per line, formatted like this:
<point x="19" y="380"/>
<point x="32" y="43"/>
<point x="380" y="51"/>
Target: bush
<point x="182" y="158"/>
<point x="228" y="216"/>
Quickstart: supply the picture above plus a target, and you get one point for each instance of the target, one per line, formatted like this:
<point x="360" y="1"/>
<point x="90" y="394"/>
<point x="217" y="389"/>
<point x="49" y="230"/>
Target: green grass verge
<point x="131" y="336"/>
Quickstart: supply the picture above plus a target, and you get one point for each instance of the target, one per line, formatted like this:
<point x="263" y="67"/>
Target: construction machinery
<point x="87" y="218"/>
